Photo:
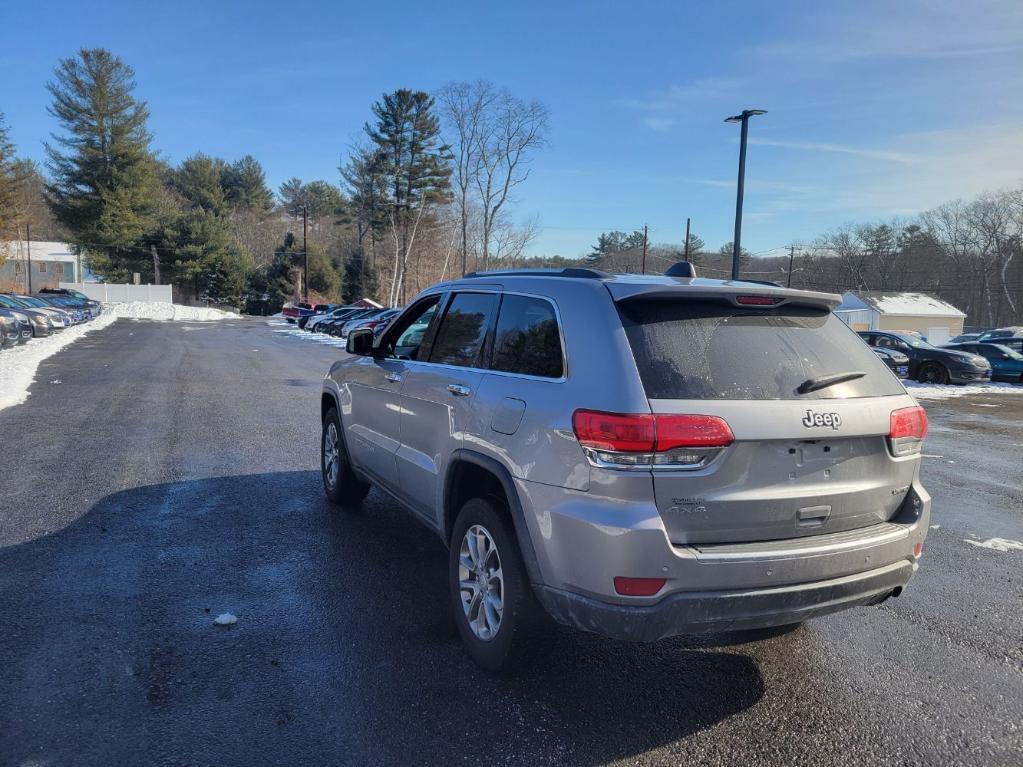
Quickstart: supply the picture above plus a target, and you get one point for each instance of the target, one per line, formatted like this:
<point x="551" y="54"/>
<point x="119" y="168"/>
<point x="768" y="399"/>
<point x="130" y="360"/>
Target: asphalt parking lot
<point x="168" y="472"/>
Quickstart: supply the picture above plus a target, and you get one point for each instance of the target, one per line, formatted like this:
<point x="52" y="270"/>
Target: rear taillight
<point x="645" y="439"/>
<point x="908" y="427"/>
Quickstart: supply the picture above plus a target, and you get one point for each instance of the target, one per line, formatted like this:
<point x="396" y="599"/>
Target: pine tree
<point x="9" y="183"/>
<point x="200" y="180"/>
<point x="416" y="165"/>
<point x="245" y="185"/>
<point x="360" y="279"/>
<point x="103" y="175"/>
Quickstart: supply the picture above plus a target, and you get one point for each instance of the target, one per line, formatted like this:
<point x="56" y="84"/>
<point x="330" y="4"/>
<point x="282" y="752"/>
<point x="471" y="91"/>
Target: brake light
<point x="638" y="587"/>
<point x="613" y="431"/>
<point x="645" y="439"/>
<point x="907" y="429"/>
<point x="757" y="300"/>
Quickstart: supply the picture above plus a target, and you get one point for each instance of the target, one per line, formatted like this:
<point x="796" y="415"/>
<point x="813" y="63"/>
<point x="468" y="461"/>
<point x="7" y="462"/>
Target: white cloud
<point x="659" y="124"/>
<point x="678" y="97"/>
<point x="874" y="154"/>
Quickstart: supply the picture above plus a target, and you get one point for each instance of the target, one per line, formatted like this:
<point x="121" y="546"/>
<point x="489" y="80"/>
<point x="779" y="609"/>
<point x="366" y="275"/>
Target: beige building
<point x="936" y="320"/>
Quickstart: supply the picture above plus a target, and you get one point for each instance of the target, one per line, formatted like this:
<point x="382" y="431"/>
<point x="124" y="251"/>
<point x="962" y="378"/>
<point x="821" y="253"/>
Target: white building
<point x="34" y="265"/>
<point x="922" y="313"/>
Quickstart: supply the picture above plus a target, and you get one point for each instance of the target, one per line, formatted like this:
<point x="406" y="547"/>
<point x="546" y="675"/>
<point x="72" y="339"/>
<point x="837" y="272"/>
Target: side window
<point x="463" y="329"/>
<point x="527" y="339"/>
<point x="406" y="337"/>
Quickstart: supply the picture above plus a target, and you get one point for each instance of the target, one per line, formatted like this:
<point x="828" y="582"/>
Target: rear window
<point x="707" y="350"/>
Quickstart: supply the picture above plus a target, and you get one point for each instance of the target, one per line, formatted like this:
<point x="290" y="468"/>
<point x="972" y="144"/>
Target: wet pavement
<point x="172" y="475"/>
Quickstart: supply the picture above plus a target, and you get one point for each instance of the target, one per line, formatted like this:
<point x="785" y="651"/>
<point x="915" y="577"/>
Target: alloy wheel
<point x="331" y="454"/>
<point x="481" y="582"/>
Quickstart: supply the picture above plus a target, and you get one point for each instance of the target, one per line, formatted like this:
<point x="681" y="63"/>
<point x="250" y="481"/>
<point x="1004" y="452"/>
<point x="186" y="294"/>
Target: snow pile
<point x="162" y="311"/>
<point x="18" y="365"/>
<point x="949" y="391"/>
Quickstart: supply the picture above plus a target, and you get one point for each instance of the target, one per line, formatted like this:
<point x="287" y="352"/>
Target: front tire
<point x="340" y="482"/>
<point x="498" y="616"/>
<point x="933" y="373"/>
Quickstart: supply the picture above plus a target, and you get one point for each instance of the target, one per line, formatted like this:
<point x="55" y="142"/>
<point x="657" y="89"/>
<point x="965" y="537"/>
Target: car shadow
<point x="344" y="650"/>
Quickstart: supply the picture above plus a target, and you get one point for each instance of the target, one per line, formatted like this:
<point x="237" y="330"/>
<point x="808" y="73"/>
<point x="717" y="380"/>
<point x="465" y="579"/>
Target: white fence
<point x="101" y="291"/>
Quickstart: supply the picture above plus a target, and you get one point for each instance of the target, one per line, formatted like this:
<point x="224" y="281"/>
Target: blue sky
<point x="875" y="108"/>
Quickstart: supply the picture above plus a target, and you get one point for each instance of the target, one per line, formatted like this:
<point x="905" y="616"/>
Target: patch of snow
<point x="225" y="619"/>
<point x="911" y="304"/>
<point x="998" y="544"/>
<point x="935" y="527"/>
<point x="18" y="365"/>
<point x="950" y="391"/>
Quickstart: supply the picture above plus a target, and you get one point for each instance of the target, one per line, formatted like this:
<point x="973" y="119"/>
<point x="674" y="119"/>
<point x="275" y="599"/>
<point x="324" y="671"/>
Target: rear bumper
<point x="696" y="612"/>
<point x="582" y="542"/>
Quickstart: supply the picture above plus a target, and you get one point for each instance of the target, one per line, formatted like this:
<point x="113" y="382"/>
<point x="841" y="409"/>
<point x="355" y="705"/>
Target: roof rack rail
<point x="578" y="272"/>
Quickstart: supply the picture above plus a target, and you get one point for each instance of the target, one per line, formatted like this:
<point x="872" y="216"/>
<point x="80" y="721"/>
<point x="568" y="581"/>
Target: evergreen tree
<point x="318" y="198"/>
<point x="415" y="164"/>
<point x="245" y="185"/>
<point x="360" y="279"/>
<point x="9" y="184"/>
<point x="200" y="180"/>
<point x="365" y="207"/>
<point x="103" y="175"/>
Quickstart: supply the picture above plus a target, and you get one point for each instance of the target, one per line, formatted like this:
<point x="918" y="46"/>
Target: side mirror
<point x="360" y="342"/>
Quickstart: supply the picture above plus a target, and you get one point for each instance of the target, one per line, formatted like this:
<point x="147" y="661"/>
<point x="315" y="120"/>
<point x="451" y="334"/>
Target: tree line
<point x="426" y="194"/>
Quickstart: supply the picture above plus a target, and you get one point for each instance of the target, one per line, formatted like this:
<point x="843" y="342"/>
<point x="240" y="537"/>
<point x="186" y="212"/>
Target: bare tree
<point x="495" y="134"/>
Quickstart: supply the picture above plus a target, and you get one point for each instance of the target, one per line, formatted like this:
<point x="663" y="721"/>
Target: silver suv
<point x="639" y="456"/>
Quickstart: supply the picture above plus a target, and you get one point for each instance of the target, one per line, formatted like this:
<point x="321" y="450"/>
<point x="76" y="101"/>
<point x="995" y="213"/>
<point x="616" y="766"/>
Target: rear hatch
<point x="801" y="463"/>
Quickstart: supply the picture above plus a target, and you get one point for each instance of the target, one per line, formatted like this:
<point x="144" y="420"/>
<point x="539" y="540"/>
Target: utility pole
<point x="737" y="239"/>
<point x="644" y="249"/>
<point x="687" y="238"/>
<point x="156" y="264"/>
<point x="305" y="257"/>
<point x="792" y="257"/>
<point x="28" y="250"/>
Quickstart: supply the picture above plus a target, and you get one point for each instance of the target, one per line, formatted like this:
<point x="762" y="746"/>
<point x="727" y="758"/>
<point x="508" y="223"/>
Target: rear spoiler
<point x="728" y="292"/>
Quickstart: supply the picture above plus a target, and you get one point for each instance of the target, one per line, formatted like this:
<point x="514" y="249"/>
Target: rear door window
<point x="527" y="339"/>
<point x="711" y="350"/>
<point x="463" y="330"/>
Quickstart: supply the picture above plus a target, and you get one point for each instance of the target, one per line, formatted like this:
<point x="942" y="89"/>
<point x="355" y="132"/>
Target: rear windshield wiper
<point x="823" y="382"/>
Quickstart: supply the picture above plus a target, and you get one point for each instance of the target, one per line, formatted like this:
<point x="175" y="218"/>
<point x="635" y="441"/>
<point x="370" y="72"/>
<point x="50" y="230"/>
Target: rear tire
<point x="340" y="482"/>
<point x="498" y="616"/>
<point x="932" y="373"/>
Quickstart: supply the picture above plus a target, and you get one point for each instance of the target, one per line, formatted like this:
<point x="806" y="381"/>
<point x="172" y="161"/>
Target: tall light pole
<point x="737" y="239"/>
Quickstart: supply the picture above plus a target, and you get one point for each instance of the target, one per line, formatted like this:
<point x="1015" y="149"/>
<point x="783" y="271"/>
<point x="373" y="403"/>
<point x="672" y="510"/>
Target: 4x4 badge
<point x="811" y="419"/>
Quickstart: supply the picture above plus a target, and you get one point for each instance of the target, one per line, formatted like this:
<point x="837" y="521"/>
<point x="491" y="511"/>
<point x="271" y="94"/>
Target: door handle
<point x="459" y="391"/>
<point x="393" y="377"/>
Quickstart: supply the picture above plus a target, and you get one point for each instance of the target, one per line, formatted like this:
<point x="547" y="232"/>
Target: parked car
<point x="378" y="319"/>
<point x="340" y="312"/>
<point x="21" y="323"/>
<point x="41" y="322"/>
<point x="92" y="307"/>
<point x="636" y="456"/>
<point x="1006" y="363"/>
<point x="964" y="338"/>
<point x="318" y="311"/>
<point x="62" y="317"/>
<point x="896" y="361"/>
<point x="930" y="364"/>
<point x="79" y="311"/>
<point x="292" y="312"/>
<point x="10" y="331"/>
<point x="1015" y="343"/>
<point x="1014" y="331"/>
<point x="333" y="326"/>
